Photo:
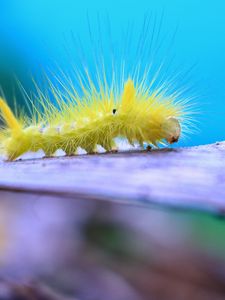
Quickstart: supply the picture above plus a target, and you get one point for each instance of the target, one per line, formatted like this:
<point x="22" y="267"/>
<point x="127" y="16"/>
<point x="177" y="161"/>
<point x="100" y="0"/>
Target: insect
<point x="100" y="109"/>
<point x="98" y="118"/>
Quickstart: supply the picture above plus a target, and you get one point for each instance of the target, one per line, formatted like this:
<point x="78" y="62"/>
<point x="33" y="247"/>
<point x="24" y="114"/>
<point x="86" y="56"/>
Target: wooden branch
<point x="184" y="178"/>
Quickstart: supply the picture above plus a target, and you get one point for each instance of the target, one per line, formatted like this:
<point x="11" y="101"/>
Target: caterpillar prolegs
<point x="137" y="114"/>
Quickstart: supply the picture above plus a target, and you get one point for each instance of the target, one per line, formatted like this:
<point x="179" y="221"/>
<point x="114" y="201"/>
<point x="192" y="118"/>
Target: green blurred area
<point x="207" y="233"/>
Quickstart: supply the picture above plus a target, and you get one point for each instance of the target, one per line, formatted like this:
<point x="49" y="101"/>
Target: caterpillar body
<point x="136" y="114"/>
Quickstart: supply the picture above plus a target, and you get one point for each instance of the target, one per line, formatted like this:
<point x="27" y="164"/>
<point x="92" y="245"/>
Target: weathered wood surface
<point x="186" y="178"/>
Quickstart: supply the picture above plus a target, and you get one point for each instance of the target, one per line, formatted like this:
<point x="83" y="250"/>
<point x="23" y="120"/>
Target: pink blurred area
<point x="98" y="250"/>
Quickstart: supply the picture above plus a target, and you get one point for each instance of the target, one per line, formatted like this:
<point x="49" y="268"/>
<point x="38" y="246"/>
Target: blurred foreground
<point x="71" y="249"/>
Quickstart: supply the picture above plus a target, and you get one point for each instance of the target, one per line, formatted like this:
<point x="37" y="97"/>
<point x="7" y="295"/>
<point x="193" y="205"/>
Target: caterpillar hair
<point x="95" y="114"/>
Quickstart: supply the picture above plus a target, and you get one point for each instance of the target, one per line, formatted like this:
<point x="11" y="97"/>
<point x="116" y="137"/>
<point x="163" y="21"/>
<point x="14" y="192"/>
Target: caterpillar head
<point x="172" y="130"/>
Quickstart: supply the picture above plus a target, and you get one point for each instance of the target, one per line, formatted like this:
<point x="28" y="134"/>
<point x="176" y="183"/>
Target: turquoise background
<point x="32" y="34"/>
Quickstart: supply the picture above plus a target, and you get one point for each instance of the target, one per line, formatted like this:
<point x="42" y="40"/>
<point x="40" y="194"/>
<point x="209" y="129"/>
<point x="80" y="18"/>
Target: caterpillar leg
<point x="70" y="153"/>
<point x="91" y="149"/>
<point x="148" y="148"/>
<point x="16" y="146"/>
<point x="50" y="151"/>
<point x="109" y="145"/>
<point x="114" y="148"/>
<point x="70" y="150"/>
<point x="49" y="154"/>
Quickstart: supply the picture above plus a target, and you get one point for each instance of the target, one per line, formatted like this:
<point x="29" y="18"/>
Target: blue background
<point x="33" y="32"/>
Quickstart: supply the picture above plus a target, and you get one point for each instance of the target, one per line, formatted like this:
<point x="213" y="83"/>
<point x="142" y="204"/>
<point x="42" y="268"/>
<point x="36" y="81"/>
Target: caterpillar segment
<point x="136" y="115"/>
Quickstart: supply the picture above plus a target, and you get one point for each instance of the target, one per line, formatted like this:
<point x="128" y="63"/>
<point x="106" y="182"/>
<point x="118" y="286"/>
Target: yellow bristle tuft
<point x="9" y="117"/>
<point x="128" y="97"/>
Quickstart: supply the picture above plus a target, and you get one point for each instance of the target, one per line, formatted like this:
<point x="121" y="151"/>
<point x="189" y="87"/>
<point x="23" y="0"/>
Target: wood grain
<point x="183" y="178"/>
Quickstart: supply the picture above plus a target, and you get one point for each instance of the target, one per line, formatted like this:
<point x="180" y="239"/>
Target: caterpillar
<point x="98" y="110"/>
<point x="98" y="118"/>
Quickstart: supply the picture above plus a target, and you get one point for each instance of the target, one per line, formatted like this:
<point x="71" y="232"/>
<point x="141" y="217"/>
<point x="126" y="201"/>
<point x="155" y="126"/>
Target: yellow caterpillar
<point x="137" y="114"/>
